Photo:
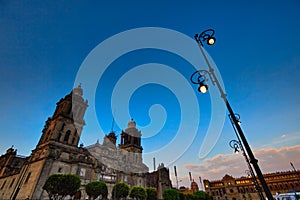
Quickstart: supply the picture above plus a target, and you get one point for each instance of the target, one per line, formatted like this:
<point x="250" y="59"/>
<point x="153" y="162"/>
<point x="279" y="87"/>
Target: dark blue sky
<point x="43" y="44"/>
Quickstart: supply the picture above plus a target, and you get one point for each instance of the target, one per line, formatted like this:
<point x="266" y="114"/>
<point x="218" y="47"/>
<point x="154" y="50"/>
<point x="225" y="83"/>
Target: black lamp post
<point x="199" y="77"/>
<point x="237" y="146"/>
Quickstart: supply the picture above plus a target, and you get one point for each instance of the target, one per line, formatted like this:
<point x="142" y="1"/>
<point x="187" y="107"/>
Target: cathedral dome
<point x="131" y="124"/>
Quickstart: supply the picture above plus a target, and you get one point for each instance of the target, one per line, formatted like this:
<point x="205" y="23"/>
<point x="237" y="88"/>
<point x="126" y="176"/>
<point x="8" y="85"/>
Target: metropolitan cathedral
<point x="57" y="152"/>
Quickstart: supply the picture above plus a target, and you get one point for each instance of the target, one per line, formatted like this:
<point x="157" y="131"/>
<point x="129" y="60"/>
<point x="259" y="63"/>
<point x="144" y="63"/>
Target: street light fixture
<point x="207" y="36"/>
<point x="200" y="77"/>
<point x="202" y="88"/>
<point x="237" y="146"/>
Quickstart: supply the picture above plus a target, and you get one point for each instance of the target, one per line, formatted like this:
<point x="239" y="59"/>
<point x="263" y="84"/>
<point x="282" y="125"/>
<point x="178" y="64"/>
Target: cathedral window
<point x="27" y="178"/>
<point x="3" y="185"/>
<point x="62" y="127"/>
<point x="48" y="135"/>
<point x="11" y="184"/>
<point x="66" y="138"/>
<point x="73" y="140"/>
<point x="59" y="136"/>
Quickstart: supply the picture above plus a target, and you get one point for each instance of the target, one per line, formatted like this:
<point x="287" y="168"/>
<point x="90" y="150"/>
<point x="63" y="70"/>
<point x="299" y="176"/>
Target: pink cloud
<point x="270" y="160"/>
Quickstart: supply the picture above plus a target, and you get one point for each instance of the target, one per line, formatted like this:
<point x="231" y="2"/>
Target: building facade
<point x="243" y="188"/>
<point x="57" y="152"/>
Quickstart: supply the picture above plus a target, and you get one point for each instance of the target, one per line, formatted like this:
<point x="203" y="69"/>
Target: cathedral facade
<point x="57" y="152"/>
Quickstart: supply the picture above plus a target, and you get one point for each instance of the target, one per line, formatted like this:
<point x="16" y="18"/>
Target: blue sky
<point x="44" y="43"/>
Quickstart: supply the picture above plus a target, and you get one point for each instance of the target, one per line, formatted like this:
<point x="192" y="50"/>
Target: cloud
<point x="286" y="139"/>
<point x="270" y="160"/>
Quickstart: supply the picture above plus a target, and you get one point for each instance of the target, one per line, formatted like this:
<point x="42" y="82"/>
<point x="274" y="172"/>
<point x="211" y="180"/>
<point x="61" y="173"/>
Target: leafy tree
<point x="120" y="190"/>
<point x="58" y="186"/>
<point x="182" y="196"/>
<point x="171" y="194"/>
<point x="151" y="193"/>
<point x="138" y="193"/>
<point x="188" y="197"/>
<point x="201" y="195"/>
<point x="96" y="188"/>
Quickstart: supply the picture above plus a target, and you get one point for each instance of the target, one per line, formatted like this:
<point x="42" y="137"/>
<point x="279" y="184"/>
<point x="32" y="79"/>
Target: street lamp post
<point x="208" y="36"/>
<point x="237" y="145"/>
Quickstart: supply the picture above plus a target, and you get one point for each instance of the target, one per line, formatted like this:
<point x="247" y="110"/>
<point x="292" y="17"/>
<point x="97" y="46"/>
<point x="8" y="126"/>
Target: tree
<point x="200" y="195"/>
<point x="58" y="186"/>
<point x="120" y="190"/>
<point x="138" y="193"/>
<point x="182" y="196"/>
<point x="151" y="193"/>
<point x="171" y="194"/>
<point x="96" y="188"/>
<point x="189" y="197"/>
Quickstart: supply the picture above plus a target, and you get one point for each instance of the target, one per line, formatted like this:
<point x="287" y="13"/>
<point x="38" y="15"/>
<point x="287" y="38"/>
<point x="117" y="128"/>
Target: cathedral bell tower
<point x="57" y="150"/>
<point x="65" y="126"/>
<point x="131" y="138"/>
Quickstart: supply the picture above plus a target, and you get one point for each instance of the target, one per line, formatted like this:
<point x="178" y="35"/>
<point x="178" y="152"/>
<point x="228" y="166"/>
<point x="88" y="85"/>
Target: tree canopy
<point x="120" y="190"/>
<point x="138" y="193"/>
<point x="171" y="194"/>
<point x="151" y="193"/>
<point x="96" y="188"/>
<point x="58" y="186"/>
<point x="200" y="195"/>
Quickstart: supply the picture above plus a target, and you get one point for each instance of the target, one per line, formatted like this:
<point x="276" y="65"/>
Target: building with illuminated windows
<point x="243" y="188"/>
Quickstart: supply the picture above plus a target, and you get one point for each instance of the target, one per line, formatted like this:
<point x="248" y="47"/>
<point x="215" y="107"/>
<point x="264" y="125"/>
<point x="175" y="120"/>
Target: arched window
<point x="281" y="187"/>
<point x="271" y="187"/>
<point x="27" y="178"/>
<point x="62" y="127"/>
<point x="11" y="184"/>
<point x="59" y="136"/>
<point x="47" y="136"/>
<point x="66" y="139"/>
<point x="3" y="185"/>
